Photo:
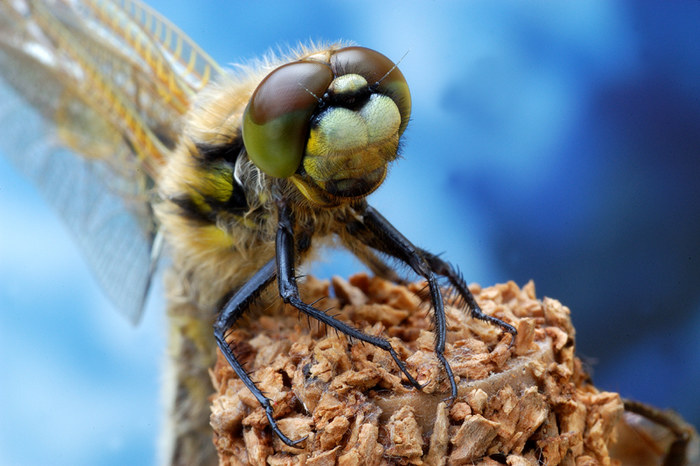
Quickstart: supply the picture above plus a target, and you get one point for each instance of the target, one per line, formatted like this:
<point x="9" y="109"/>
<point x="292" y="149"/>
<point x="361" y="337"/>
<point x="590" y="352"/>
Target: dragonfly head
<point x="331" y="122"/>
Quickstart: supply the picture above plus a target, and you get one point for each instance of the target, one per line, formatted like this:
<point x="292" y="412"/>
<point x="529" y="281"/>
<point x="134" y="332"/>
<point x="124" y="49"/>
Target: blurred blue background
<point x="558" y="142"/>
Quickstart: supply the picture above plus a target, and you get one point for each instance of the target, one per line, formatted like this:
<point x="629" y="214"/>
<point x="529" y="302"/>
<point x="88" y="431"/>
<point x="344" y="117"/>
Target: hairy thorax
<point x="217" y="209"/>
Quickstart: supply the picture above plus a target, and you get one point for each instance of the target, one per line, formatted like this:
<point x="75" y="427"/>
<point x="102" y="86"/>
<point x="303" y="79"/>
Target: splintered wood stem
<point x="525" y="403"/>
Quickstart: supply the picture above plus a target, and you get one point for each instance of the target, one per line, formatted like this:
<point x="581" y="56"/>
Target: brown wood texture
<point x="528" y="403"/>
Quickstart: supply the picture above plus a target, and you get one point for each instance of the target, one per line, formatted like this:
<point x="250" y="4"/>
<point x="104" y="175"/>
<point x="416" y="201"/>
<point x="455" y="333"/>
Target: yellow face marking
<point x="382" y="117"/>
<point x="341" y="130"/>
<point x="348" y="83"/>
<point x="349" y="144"/>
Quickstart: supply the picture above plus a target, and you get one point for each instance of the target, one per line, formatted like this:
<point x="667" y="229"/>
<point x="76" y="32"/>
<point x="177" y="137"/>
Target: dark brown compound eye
<point x="379" y="71"/>
<point x="276" y="120"/>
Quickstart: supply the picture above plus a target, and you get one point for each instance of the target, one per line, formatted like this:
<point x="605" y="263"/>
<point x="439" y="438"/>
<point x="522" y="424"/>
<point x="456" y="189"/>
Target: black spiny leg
<point x="388" y="239"/>
<point x="377" y="232"/>
<point x="289" y="290"/>
<point x="239" y="303"/>
<point x="443" y="268"/>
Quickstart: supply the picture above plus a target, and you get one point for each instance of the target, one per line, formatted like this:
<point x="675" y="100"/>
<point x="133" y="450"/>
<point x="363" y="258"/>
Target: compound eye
<point x="381" y="73"/>
<point x="276" y="120"/>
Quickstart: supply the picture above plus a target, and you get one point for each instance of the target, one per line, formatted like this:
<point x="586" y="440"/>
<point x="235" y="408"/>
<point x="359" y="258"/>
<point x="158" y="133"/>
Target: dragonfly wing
<point x="115" y="236"/>
<point x="190" y="65"/>
<point x="92" y="103"/>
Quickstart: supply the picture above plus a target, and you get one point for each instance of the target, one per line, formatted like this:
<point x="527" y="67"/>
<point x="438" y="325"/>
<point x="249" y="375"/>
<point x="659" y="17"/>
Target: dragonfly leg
<point x="237" y="305"/>
<point x="377" y="232"/>
<point x="289" y="291"/>
<point x="444" y="269"/>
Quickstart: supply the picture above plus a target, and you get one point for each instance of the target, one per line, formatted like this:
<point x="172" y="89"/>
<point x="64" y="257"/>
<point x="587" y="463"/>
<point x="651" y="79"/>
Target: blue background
<point x="558" y="142"/>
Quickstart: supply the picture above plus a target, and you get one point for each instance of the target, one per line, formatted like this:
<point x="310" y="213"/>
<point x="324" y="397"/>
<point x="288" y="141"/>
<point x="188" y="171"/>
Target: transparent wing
<point x="173" y="56"/>
<point x="115" y="239"/>
<point x="91" y="103"/>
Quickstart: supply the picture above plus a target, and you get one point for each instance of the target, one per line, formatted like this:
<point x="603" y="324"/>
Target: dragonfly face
<point x="331" y="121"/>
<point x="241" y="177"/>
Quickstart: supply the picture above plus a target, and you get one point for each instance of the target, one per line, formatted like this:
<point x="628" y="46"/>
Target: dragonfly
<point x="149" y="147"/>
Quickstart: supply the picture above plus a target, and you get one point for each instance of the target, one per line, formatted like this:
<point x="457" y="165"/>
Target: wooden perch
<point x="526" y="404"/>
